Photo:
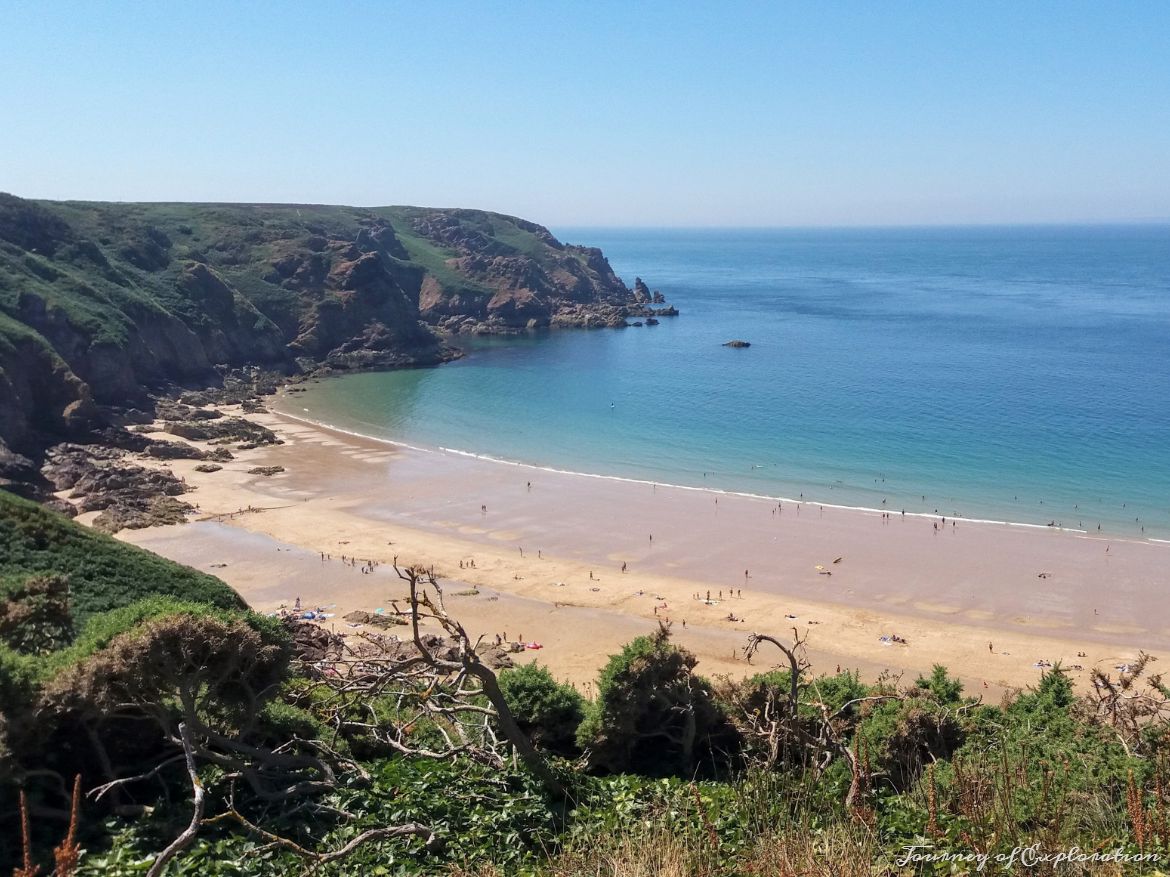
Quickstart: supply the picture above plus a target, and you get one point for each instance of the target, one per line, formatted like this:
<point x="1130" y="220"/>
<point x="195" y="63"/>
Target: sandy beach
<point x="539" y="555"/>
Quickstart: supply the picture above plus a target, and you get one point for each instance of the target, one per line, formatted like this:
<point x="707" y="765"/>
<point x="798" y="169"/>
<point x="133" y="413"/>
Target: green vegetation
<point x="549" y="712"/>
<point x="102" y="573"/>
<point x="373" y="761"/>
<point x="102" y="300"/>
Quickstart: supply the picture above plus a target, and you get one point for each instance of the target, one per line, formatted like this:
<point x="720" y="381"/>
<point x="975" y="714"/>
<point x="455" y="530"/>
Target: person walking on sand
<point x="991" y="648"/>
<point x="623" y="566"/>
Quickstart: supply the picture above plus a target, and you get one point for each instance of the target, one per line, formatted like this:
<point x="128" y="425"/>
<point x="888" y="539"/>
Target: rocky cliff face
<point x="100" y="302"/>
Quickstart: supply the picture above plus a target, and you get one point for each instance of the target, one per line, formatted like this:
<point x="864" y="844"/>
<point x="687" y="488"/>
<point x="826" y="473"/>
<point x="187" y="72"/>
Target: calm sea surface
<point x="1017" y="374"/>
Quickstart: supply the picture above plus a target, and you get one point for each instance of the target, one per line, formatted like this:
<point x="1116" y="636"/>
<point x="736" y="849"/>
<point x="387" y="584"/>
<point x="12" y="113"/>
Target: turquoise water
<point x="1017" y="374"/>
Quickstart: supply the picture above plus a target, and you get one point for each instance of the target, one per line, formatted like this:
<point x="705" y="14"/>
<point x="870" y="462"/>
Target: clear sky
<point x="600" y="113"/>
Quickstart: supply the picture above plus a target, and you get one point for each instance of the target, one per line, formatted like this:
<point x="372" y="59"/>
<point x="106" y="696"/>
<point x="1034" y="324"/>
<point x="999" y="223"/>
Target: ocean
<point x="1015" y="374"/>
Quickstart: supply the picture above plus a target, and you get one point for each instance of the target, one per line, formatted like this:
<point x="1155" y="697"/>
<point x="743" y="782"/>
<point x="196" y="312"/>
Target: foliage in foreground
<point x="296" y="762"/>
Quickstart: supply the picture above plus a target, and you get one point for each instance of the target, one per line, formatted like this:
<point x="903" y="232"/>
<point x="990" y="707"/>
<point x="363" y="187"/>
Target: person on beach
<point x="623" y="566"/>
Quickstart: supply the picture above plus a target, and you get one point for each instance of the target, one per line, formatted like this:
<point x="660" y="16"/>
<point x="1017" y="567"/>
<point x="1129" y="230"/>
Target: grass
<point x="103" y="573"/>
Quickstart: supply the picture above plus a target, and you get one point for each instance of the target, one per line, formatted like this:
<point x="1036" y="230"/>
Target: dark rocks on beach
<point x="20" y="475"/>
<point x="15" y="467"/>
<point x="227" y="429"/>
<point x="128" y="495"/>
<point x="312" y="643"/>
<point x="219" y="455"/>
<point x="134" y="513"/>
<point x="208" y="467"/>
<point x="266" y="471"/>
<point x="164" y="450"/>
<point x="375" y="619"/>
<point x="737" y="343"/>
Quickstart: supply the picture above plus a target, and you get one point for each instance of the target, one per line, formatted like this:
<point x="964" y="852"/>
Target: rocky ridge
<point x="107" y="308"/>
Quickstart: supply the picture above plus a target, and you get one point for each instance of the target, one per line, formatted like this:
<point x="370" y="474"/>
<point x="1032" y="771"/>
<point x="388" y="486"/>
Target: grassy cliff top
<point x="103" y="573"/>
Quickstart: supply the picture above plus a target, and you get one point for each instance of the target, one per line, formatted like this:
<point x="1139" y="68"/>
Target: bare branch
<point x="185" y="839"/>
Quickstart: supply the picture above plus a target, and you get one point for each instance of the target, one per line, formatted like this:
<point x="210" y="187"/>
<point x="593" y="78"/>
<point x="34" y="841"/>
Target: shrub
<point x="549" y="712"/>
<point x="35" y="617"/>
<point x="653" y="713"/>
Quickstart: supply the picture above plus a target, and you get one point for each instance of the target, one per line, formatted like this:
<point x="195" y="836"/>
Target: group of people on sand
<point x="731" y="592"/>
<point x="366" y="567"/>
<point x="317" y="613"/>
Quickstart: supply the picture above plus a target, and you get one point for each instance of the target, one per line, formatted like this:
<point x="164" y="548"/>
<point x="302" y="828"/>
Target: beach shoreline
<point x="988" y="600"/>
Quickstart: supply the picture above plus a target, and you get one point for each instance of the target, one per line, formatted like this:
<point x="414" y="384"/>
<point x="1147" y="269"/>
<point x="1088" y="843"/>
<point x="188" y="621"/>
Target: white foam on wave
<point x="488" y="458"/>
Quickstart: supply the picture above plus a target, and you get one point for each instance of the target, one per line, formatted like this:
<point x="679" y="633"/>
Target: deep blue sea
<point x="1018" y="373"/>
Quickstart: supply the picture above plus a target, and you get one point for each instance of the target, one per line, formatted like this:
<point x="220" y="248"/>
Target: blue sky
<point x="600" y="113"/>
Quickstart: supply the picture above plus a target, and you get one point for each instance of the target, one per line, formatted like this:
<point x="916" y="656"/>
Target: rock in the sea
<point x="737" y="343"/>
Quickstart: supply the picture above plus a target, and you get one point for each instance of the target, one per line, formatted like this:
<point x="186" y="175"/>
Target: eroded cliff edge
<point x="102" y="302"/>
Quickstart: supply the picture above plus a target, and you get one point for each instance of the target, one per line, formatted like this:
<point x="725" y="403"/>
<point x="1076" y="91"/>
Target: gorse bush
<point x="653" y="714"/>
<point x="549" y="712"/>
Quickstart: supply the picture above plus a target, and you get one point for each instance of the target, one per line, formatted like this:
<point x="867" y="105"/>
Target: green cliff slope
<point x="100" y="300"/>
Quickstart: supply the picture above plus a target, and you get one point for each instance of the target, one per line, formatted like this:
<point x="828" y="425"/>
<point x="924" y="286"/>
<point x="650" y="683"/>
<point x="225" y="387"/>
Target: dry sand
<point x="967" y="595"/>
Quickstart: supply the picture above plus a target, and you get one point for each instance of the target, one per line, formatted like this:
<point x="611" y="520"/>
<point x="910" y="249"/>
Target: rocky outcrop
<point x="737" y="343"/>
<point x="514" y="290"/>
<point x="128" y="495"/>
<point x="106" y="308"/>
<point x="225" y="430"/>
<point x="266" y="471"/>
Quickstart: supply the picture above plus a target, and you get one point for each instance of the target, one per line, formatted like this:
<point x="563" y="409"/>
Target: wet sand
<point x="950" y="591"/>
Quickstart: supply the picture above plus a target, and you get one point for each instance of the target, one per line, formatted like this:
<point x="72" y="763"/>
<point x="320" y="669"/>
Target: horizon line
<point x="651" y="226"/>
